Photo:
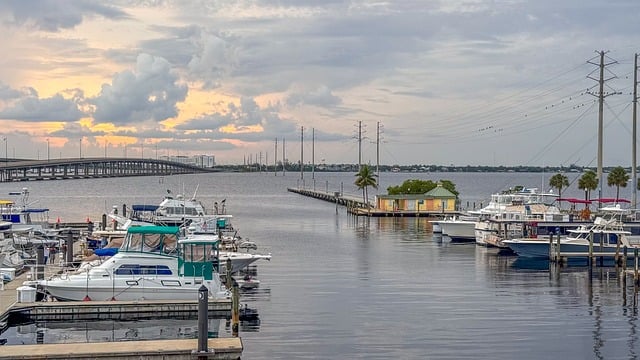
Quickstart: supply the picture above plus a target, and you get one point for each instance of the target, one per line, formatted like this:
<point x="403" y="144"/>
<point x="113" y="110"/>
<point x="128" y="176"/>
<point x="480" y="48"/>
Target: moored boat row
<point x="522" y="223"/>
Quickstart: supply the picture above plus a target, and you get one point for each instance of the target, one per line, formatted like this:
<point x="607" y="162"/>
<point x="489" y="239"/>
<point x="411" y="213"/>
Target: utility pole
<point x="275" y="161"/>
<point x="80" y="148"/>
<point x="302" y="153"/>
<point x="359" y="145"/>
<point x="48" y="158"/>
<point x="601" y="95"/>
<point x="378" y="150"/>
<point x="313" y="153"/>
<point x="634" y="171"/>
<point x="283" y="157"/>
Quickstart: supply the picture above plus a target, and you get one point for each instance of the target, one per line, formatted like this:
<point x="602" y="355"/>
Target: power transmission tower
<point x="601" y="95"/>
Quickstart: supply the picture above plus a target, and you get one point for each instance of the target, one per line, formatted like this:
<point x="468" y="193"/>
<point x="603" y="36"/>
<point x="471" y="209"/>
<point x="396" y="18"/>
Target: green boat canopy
<point x="153" y="230"/>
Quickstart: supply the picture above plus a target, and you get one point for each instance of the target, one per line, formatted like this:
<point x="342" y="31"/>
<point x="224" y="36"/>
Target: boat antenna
<point x="194" y="193"/>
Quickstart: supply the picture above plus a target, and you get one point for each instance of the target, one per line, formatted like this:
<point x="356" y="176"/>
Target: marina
<point x="387" y="274"/>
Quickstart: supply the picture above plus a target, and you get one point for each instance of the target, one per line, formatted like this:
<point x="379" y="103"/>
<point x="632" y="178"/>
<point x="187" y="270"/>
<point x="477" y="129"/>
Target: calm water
<point x="340" y="287"/>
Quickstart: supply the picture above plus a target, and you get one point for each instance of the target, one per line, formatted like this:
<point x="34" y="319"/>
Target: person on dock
<point x="46" y="255"/>
<point x="52" y="254"/>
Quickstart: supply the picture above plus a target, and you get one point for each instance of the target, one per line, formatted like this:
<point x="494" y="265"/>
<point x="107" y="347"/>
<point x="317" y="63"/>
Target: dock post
<point x="635" y="266"/>
<point x="203" y="320"/>
<point x="40" y="263"/>
<point x="616" y="257"/>
<point x="235" y="311"/>
<point x="601" y="248"/>
<point x="552" y="253"/>
<point x="229" y="282"/>
<point x="69" y="248"/>
<point x="624" y="259"/>
<point x="591" y="248"/>
<point x="559" y="258"/>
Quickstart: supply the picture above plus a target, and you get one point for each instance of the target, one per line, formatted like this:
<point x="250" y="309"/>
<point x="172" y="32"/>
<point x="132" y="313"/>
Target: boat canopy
<point x="151" y="239"/>
<point x="35" y="210"/>
<point x="144" y="207"/>
<point x="575" y="201"/>
<point x="611" y="200"/>
<point x="154" y="229"/>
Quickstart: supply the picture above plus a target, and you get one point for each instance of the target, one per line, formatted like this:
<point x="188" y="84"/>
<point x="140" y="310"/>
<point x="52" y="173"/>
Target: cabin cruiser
<point x="153" y="263"/>
<point x="609" y="234"/>
<point x="176" y="211"/>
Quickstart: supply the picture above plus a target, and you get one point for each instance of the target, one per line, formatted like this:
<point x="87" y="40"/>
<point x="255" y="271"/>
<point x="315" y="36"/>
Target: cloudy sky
<point x="488" y="82"/>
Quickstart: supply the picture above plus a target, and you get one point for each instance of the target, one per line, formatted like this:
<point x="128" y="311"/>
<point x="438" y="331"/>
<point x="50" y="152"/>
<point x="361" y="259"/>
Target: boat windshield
<point x="162" y="241"/>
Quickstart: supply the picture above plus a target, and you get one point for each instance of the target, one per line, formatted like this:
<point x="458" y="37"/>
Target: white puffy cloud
<point x="150" y="92"/>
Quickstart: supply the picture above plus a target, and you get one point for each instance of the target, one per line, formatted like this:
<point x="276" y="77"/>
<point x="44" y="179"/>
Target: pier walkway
<point x="356" y="205"/>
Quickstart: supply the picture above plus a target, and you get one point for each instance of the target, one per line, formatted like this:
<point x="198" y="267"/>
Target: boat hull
<point x="459" y="231"/>
<point x="72" y="289"/>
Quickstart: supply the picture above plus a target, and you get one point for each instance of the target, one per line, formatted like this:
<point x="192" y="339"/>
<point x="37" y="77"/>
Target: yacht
<point x="153" y="263"/>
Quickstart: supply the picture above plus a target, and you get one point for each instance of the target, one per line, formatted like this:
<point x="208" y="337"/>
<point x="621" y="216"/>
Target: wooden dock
<point x="220" y="348"/>
<point x="11" y="310"/>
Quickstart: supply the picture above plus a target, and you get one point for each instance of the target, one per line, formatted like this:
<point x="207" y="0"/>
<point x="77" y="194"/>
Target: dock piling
<point x="235" y="310"/>
<point x="552" y="253"/>
<point x="591" y="248"/>
<point x="203" y="320"/>
<point x="40" y="263"/>
<point x="635" y="266"/>
<point x="69" y="248"/>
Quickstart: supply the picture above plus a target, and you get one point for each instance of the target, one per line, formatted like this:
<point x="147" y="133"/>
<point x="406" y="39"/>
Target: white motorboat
<point x="609" y="235"/>
<point x="176" y="211"/>
<point x="513" y="222"/>
<point x="152" y="263"/>
<point x="460" y="228"/>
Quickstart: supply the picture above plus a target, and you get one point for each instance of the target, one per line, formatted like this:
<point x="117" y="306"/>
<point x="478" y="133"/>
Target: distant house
<point x="438" y="199"/>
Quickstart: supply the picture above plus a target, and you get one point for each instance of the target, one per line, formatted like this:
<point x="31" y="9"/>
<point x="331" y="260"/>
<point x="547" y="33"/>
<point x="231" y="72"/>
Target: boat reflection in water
<point x="107" y="331"/>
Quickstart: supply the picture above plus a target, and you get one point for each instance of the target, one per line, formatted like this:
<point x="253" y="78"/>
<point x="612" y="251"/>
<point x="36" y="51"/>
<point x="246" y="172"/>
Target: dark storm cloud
<point x="54" y="15"/>
<point x="27" y="106"/>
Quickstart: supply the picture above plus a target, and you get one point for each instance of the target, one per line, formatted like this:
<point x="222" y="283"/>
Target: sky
<point x="446" y="82"/>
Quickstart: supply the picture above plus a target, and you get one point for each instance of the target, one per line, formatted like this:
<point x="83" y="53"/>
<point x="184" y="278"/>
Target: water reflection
<point x="56" y="332"/>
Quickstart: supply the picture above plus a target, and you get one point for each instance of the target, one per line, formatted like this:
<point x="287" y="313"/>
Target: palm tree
<point x="588" y="182"/>
<point x="559" y="181"/>
<point x="365" y="178"/>
<point x="618" y="177"/>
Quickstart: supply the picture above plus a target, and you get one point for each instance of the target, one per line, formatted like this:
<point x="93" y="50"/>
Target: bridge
<point x="84" y="168"/>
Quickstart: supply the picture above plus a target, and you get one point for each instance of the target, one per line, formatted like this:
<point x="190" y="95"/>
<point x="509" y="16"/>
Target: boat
<point x="153" y="263"/>
<point x="435" y="226"/>
<point x="460" y="228"/>
<point x="516" y="221"/>
<point x="209" y="228"/>
<point x="609" y="233"/>
<point x="239" y="259"/>
<point x="175" y="211"/>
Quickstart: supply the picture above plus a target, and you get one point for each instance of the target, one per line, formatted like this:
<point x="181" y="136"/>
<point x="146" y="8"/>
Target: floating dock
<point x="12" y="310"/>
